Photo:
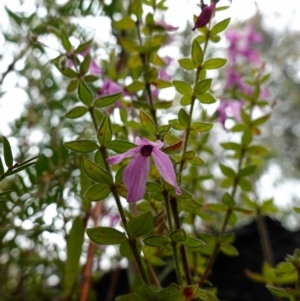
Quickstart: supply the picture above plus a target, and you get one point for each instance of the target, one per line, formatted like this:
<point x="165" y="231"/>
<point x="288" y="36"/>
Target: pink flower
<point x="205" y="16"/>
<point x="229" y="108"/>
<point x="109" y="87"/>
<point x="165" y="26"/>
<point x="136" y="172"/>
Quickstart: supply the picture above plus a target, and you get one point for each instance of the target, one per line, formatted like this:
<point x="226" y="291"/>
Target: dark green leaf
<point x="227" y="171"/>
<point x="65" y="41"/>
<point x="8" y="158"/>
<point x="130" y="297"/>
<point x="245" y="184"/>
<point x="247" y="171"/>
<point x="202" y="86"/>
<point x="1" y="167"/>
<point x="84" y="66"/>
<point x="76" y="112"/>
<point x="193" y="243"/>
<point x="74" y="248"/>
<point x="84" y="93"/>
<point x="178" y="235"/>
<point x="98" y="192"/>
<point x="156" y="240"/>
<point x="119" y="146"/>
<point x="228" y="200"/>
<point x="107" y="100"/>
<point x="104" y="135"/>
<point x="184" y="118"/>
<point x="72" y="85"/>
<point x="163" y="104"/>
<point x="69" y="73"/>
<point x="148" y="123"/>
<point x="106" y="236"/>
<point x="81" y="146"/>
<point x="82" y="47"/>
<point x="135" y="87"/>
<point x="96" y="173"/>
<point x="141" y="225"/>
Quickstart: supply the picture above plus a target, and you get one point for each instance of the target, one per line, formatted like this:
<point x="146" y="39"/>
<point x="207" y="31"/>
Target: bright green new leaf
<point x="257" y="150"/>
<point x="197" y="54"/>
<point x="76" y="112"/>
<point x="187" y="63"/>
<point x="74" y="248"/>
<point x="202" y="86"/>
<point x="137" y="8"/>
<point x="182" y="87"/>
<point x="84" y="93"/>
<point x="229" y="250"/>
<point x="148" y="123"/>
<point x="214" y="63"/>
<point x="227" y="171"/>
<point x="279" y="292"/>
<point x="96" y="173"/>
<point x="81" y="146"/>
<point x="186" y="100"/>
<point x="140" y="225"/>
<point x="201" y="126"/>
<point x="231" y="146"/>
<point x="135" y="87"/>
<point x="104" y="134"/>
<point x="98" y="192"/>
<point x="106" y="236"/>
<point x="134" y="61"/>
<point x="123" y="24"/>
<point x="8" y="158"/>
<point x="219" y="27"/>
<point x="163" y="104"/>
<point x="184" y="118"/>
<point x="206" y="98"/>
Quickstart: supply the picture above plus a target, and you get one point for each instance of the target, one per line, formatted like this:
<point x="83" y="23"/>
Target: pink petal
<point x="118" y="158"/>
<point x="135" y="177"/>
<point x="94" y="68"/>
<point x="165" y="168"/>
<point x="143" y="141"/>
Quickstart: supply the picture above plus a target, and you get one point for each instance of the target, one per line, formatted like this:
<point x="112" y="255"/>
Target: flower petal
<point x="143" y="141"/>
<point x="118" y="158"/>
<point x="165" y="168"/>
<point x="135" y="177"/>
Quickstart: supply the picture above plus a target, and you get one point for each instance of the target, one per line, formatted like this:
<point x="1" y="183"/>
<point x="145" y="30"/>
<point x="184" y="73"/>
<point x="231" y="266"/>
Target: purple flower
<point x="136" y="172"/>
<point x="229" y="108"/>
<point x="205" y="16"/>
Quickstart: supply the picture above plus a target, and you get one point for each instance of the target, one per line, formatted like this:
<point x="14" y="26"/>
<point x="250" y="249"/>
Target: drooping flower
<point x="205" y="15"/>
<point x="136" y="172"/>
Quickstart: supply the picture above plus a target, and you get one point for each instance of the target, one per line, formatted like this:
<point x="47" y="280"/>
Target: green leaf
<point x="98" y="192"/>
<point x="172" y="293"/>
<point x="247" y="171"/>
<point x="247" y="138"/>
<point x="148" y="123"/>
<point x="195" y="161"/>
<point x="219" y="27"/>
<point x="245" y="184"/>
<point x="8" y="158"/>
<point x="69" y="73"/>
<point x="227" y="171"/>
<point x="96" y="173"/>
<point x="81" y="146"/>
<point x="145" y="292"/>
<point x="186" y="100"/>
<point x="124" y="24"/>
<point x="135" y="87"/>
<point x="296" y="209"/>
<point x="164" y="128"/>
<point x="106" y="236"/>
<point x="140" y="225"/>
<point x="84" y="93"/>
<point x="206" y="98"/>
<point x="84" y="66"/>
<point x="151" y="75"/>
<point x="214" y="63"/>
<point x="130" y="297"/>
<point x="72" y="85"/>
<point x="187" y="63"/>
<point x="153" y="187"/>
<point x="137" y="8"/>
<point x="229" y="250"/>
<point x="201" y="126"/>
<point x="119" y="146"/>
<point x="65" y="41"/>
<point x="141" y="105"/>
<point x="126" y="251"/>
<point x="228" y="200"/>
<point x="279" y="292"/>
<point x="260" y="120"/>
<point x="257" y="150"/>
<point x="197" y="54"/>
<point x="76" y="112"/>
<point x="178" y="235"/>
<point x="202" y="86"/>
<point x="161" y="84"/>
<point x="156" y="240"/>
<point x="182" y="87"/>
<point x="74" y="248"/>
<point x="184" y="118"/>
<point x="83" y="46"/>
<point x="193" y="243"/>
<point x="231" y="146"/>
<point x="1" y="167"/>
<point x="107" y="100"/>
<point x="104" y="134"/>
<point x="189" y="155"/>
